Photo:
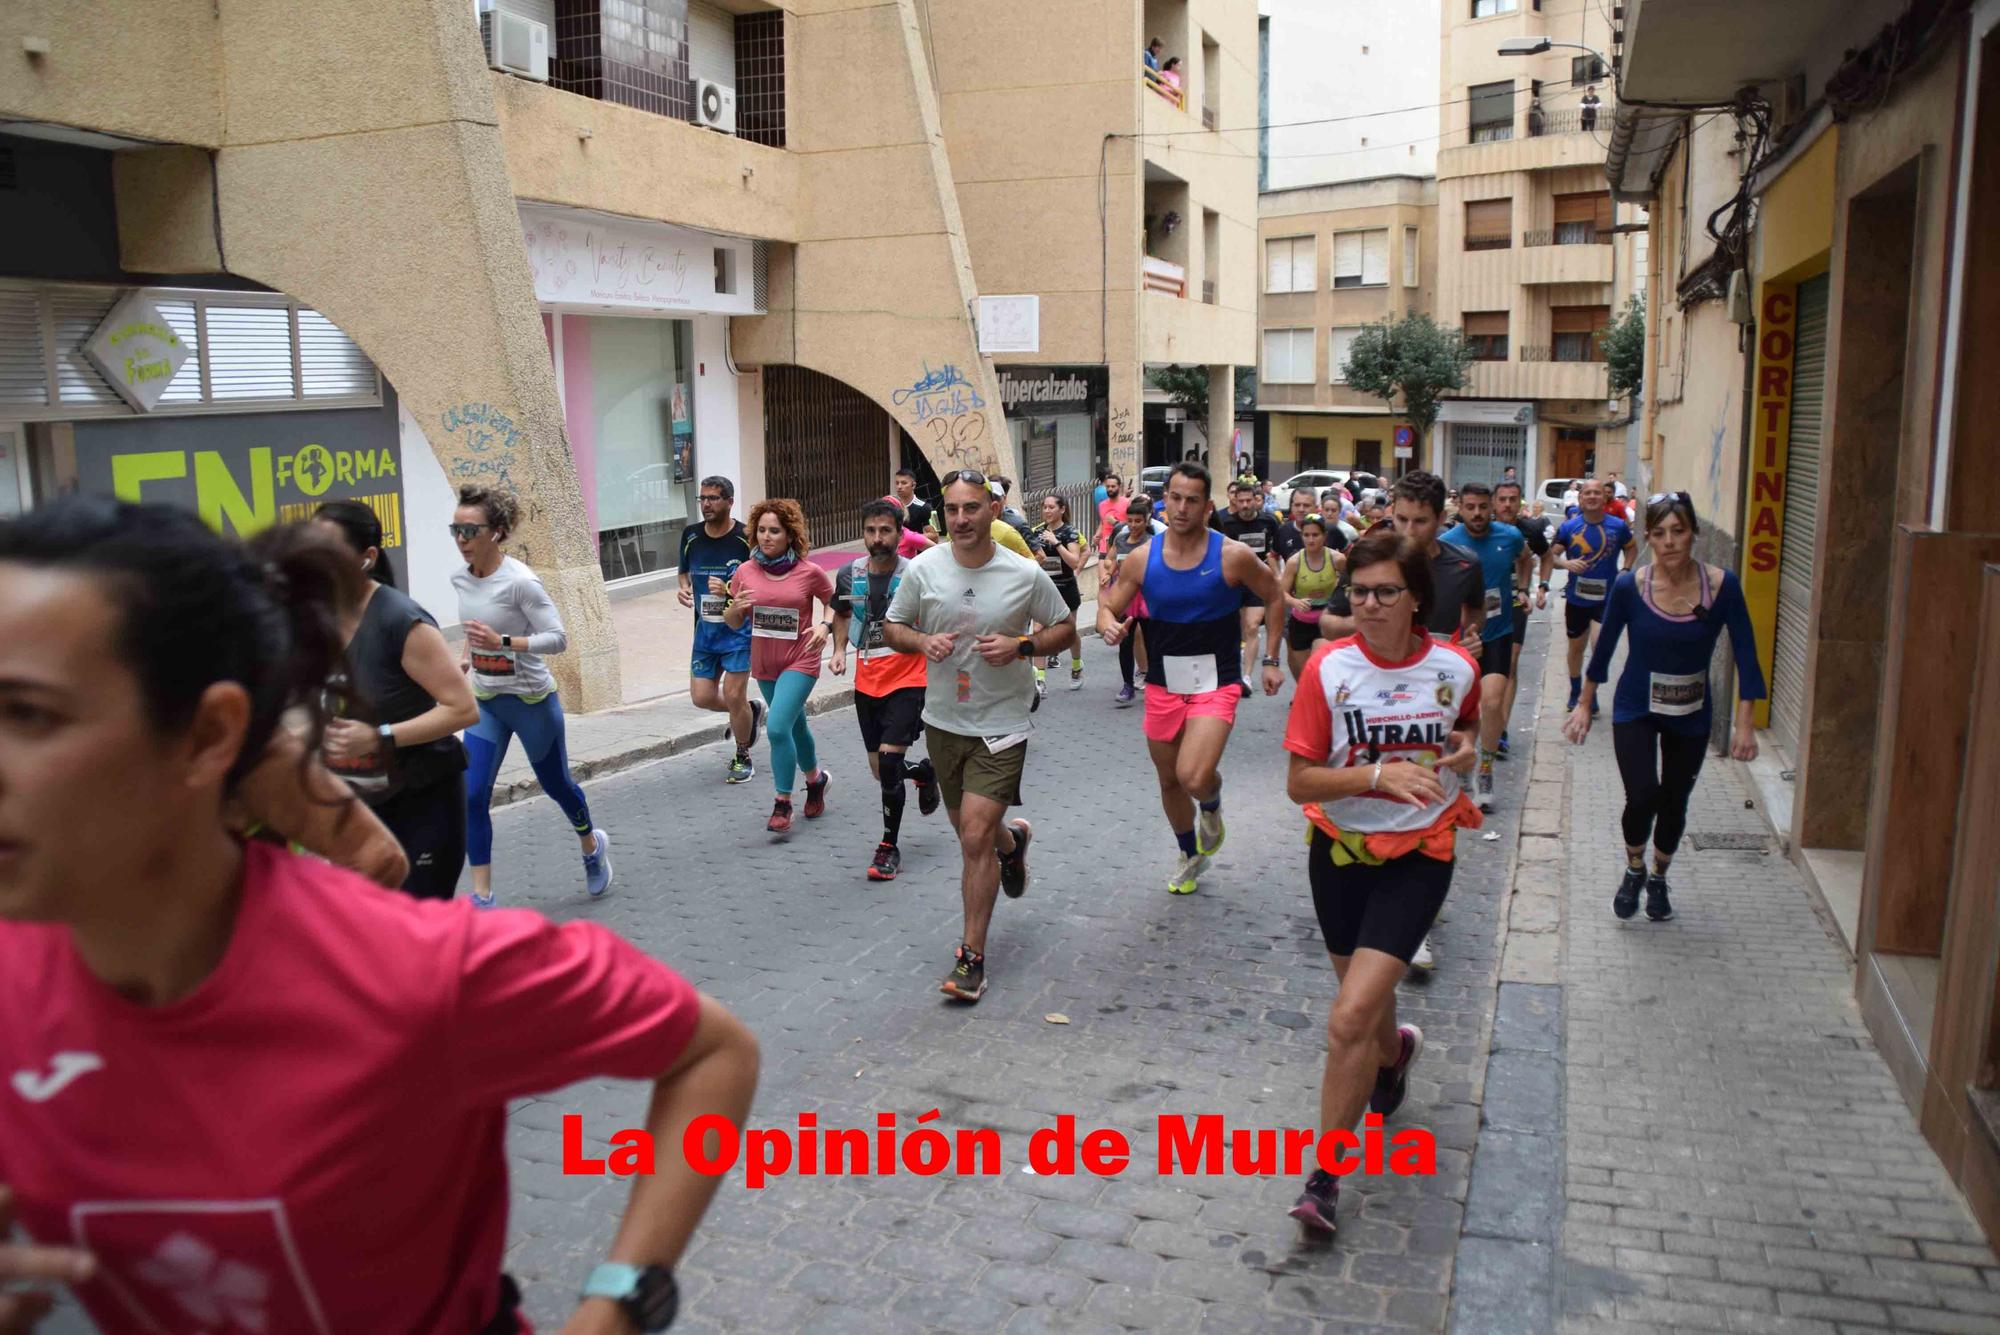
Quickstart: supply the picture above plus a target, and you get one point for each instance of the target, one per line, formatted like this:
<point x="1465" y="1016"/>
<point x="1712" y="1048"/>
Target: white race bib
<point x="495" y="667"/>
<point x="712" y="605"/>
<point x="1493" y="597"/>
<point x="774" y="623"/>
<point x="1254" y="540"/>
<point x="1189" y="674"/>
<point x="1590" y="590"/>
<point x="1672" y="693"/>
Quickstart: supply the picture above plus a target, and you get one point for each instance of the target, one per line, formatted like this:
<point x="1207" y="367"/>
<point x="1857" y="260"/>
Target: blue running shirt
<point x="1599" y="545"/>
<point x="1497" y="553"/>
<point x="701" y="557"/>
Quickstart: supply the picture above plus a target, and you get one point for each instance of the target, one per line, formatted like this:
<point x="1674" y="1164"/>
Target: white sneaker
<point x="1423" y="959"/>
<point x="1208" y="831"/>
<point x="1182" y="882"/>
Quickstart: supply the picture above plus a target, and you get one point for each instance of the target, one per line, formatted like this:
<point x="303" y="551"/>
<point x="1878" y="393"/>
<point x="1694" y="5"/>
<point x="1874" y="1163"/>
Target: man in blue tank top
<point x="1193" y="580"/>
<point x="719" y="676"/>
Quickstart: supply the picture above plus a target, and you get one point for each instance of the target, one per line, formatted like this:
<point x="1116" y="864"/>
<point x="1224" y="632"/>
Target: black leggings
<point x="429" y="822"/>
<point x="1126" y="648"/>
<point x="1659" y="768"/>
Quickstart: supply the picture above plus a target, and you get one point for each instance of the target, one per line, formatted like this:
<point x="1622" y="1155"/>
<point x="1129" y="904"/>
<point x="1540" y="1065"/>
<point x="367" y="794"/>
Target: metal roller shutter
<point x="1481" y="453"/>
<point x="1795" y="560"/>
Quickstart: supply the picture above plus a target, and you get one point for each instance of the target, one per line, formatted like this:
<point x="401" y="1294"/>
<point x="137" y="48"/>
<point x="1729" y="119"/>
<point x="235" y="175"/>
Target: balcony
<point x="1574" y="351"/>
<point x="1164" y="276"/>
<point x="1165" y="88"/>
<point x="1539" y="262"/>
<point x="1567" y="234"/>
<point x="1570" y="120"/>
<point x="1537" y="379"/>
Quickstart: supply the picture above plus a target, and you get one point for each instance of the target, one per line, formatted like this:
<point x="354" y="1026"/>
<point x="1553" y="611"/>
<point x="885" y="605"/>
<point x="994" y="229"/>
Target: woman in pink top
<point x="254" y="1091"/>
<point x="911" y="542"/>
<point x="774" y="592"/>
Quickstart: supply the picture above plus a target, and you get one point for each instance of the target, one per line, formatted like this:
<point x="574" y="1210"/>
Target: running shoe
<point x="1575" y="694"/>
<point x="1319" y="1202"/>
<point x="485" y="901"/>
<point x="756" y="722"/>
<point x="1186" y="872"/>
<point x="816" y="794"/>
<point x="1503" y="744"/>
<point x="1626" y="902"/>
<point x="888" y="861"/>
<point x="742" y="768"/>
<point x="781" y="816"/>
<point x="1423" y="961"/>
<point x="1245" y="686"/>
<point x="1076" y="676"/>
<point x="928" y="795"/>
<point x="1014" y="867"/>
<point x="967" y="979"/>
<point x="1657" y="906"/>
<point x="1485" y="783"/>
<point x="597" y="866"/>
<point x="1041" y="688"/>
<point x="1393" y="1082"/>
<point x="1126" y="695"/>
<point x="1208" y="831"/>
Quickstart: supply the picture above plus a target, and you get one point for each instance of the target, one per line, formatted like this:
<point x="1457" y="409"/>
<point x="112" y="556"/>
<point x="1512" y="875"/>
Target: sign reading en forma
<point x="137" y="351"/>
<point x="593" y="261"/>
<point x="1052" y="391"/>
<point x="244" y="472"/>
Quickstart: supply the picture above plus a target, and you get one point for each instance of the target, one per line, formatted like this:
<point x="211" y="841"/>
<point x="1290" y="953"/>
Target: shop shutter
<point x="249" y="352"/>
<point x="330" y="364"/>
<point x="1795" y="561"/>
<point x="24" y="372"/>
<point x="1375" y="258"/>
<point x="1481" y="453"/>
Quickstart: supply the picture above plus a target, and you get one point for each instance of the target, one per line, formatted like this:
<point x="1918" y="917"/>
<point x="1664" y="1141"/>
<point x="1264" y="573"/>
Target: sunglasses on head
<point x="972" y="475"/>
<point x="1660" y="496"/>
<point x="466" y="532"/>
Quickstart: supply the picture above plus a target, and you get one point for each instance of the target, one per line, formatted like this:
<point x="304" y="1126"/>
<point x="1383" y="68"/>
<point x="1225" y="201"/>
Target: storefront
<point x="1482" y="440"/>
<point x="637" y="318"/>
<point x="1057" y="415"/>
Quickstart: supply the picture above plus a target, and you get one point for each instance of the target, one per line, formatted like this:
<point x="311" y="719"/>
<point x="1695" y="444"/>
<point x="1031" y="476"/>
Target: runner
<point x="719" y="676"/>
<point x="888" y="686"/>
<point x="510" y="626"/>
<point x="1003" y="532"/>
<point x="401" y="703"/>
<point x="1194" y="579"/>
<point x="1590" y="543"/>
<point x="967" y="610"/>
<point x="1246" y="521"/>
<point x="1110" y="511"/>
<point x="1385" y="799"/>
<point x="1059" y="549"/>
<point x="1673" y="611"/>
<point x="910" y="542"/>
<point x="774" y="595"/>
<point x="1535" y="565"/>
<point x="1138" y="526"/>
<point x="1003" y="488"/>
<point x="344" y="1056"/>
<point x="1309" y="579"/>
<point x="916" y="513"/>
<point x="1499" y="548"/>
<point x="1290" y="541"/>
<point x="1456" y="608"/>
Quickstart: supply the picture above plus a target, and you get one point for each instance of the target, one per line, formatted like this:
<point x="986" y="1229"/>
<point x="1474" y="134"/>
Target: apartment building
<point x="1530" y="265"/>
<point x="1336" y="258"/>
<point x="597" y="251"/>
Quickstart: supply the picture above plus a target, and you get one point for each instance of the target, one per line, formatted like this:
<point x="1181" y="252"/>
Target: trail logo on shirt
<point x="1445" y="695"/>
<point x="201" y="1267"/>
<point x="1340" y="694"/>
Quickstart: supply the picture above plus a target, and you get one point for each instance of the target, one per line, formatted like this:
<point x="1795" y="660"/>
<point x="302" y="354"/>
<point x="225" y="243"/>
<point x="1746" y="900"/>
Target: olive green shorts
<point x="965" y="765"/>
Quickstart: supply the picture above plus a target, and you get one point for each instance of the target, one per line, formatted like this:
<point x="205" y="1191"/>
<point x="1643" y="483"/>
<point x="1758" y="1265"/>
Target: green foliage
<point x="1415" y="359"/>
<point x="1625" y="349"/>
<point x="1187" y="386"/>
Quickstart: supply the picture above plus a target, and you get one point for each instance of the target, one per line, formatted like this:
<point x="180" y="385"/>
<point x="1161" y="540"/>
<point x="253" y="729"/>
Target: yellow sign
<point x="1764" y="535"/>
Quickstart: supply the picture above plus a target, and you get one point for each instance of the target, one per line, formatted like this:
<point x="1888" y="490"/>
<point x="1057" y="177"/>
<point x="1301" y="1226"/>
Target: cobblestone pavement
<point x="1213" y="1003"/>
<point x="1738" y="1156"/>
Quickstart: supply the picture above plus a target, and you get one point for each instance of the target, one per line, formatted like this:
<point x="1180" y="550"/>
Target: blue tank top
<point x="1191" y="613"/>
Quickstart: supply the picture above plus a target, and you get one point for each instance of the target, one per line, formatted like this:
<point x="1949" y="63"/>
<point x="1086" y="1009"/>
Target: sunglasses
<point x="1659" y="496"/>
<point x="972" y="475"/>
<point x="466" y="532"/>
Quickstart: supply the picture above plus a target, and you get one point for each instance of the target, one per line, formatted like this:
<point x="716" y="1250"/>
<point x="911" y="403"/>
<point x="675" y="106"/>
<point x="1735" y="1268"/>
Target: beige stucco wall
<point x="150" y="71"/>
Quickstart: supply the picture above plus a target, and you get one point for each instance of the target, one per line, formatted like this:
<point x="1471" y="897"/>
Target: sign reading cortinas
<point x="137" y="351"/>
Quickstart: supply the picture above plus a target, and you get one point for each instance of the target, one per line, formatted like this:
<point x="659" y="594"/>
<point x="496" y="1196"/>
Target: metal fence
<point x="1567" y="234"/>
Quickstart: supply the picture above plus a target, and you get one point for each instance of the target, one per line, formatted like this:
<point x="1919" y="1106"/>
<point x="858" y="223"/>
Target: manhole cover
<point x="1744" y="843"/>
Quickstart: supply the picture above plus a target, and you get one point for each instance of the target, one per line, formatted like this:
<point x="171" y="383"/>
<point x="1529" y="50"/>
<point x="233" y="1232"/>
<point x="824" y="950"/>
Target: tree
<point x="1414" y="358"/>
<point x="1625" y="349"/>
<point x="1187" y="386"/>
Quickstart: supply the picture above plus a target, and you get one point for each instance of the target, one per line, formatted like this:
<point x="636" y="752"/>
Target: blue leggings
<point x="793" y="751"/>
<point x="540" y="728"/>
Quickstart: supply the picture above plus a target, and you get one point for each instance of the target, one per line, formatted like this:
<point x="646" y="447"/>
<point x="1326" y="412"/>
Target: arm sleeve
<point x="1617" y="611"/>
<point x="908" y="602"/>
<point x="843" y="592"/>
<point x="546" y="634"/>
<point x="1742" y="638"/>
<point x="539" y="1006"/>
<point x="1309" y="727"/>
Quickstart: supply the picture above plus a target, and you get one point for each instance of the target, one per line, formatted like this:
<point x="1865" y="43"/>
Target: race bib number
<point x="712" y="605"/>
<point x="1673" y="693"/>
<point x="1254" y="540"/>
<point x="1591" y="590"/>
<point x="1053" y="563"/>
<point x="496" y="667"/>
<point x="1189" y="674"/>
<point x="775" y="623"/>
<point x="1493" y="599"/>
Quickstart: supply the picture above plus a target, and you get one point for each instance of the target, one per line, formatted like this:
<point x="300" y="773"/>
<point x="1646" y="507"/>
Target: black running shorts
<point x="1496" y="657"/>
<point x="1072" y="596"/>
<point x="1301" y="635"/>
<point x="895" y="719"/>
<point x="1388" y="908"/>
<point x="1578" y="616"/>
<point x="1520" y="635"/>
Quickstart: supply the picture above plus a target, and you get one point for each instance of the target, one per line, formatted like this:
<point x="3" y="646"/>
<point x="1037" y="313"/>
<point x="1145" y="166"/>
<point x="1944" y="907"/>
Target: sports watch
<point x="506" y="641"/>
<point x="387" y="732"/>
<point x="1025" y="646"/>
<point x="646" y="1294"/>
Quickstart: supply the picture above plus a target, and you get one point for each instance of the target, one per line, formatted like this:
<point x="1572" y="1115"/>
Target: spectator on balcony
<point x="1536" y="120"/>
<point x="1151" y="54"/>
<point x="1170" y="74"/>
<point x="1589" y="106"/>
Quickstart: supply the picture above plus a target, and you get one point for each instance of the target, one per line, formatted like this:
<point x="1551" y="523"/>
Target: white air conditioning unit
<point x="515" y="44"/>
<point x="715" y="105"/>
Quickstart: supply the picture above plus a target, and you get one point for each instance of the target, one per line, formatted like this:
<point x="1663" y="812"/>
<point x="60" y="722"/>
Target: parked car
<point x="1316" y="479"/>
<point x="1553" y="490"/>
<point x="1153" y="481"/>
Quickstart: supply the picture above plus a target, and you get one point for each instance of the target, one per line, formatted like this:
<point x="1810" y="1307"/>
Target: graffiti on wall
<point x="950" y="417"/>
<point x="1124" y="443"/>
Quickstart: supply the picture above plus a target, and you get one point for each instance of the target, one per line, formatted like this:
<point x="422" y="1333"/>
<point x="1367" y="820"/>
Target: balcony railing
<point x="1570" y="120"/>
<point x="1208" y="118"/>
<point x="1570" y="351"/>
<point x="1488" y="242"/>
<point x="1488" y="134"/>
<point x="1165" y="276"/>
<point x="1166" y="88"/>
<point x="1567" y="234"/>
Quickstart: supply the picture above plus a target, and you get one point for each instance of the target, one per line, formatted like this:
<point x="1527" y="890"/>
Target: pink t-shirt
<point x="314" y="1139"/>
<point x="911" y="543"/>
<point x="782" y="621"/>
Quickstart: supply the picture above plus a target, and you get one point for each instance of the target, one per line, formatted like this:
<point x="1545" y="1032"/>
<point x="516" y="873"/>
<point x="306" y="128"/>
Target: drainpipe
<point x="1649" y="384"/>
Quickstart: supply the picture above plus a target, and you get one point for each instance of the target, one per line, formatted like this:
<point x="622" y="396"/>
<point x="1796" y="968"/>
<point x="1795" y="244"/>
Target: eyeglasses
<point x="713" y="498"/>
<point x="466" y="532"/>
<point x="1384" y="595"/>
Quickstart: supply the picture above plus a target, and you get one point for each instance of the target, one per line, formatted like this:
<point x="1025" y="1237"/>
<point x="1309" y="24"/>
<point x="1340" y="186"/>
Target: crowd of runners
<point x="228" y="708"/>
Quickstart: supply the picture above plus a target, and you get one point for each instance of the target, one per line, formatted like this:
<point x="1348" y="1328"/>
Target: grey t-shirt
<point x="513" y="602"/>
<point x="1003" y="597"/>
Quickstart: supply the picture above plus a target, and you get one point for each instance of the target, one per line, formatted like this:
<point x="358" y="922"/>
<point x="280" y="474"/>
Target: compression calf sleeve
<point x="893" y="797"/>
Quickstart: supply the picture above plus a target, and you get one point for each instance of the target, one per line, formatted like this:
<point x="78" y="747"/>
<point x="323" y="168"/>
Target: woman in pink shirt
<point x="252" y="1090"/>
<point x="774" y="592"/>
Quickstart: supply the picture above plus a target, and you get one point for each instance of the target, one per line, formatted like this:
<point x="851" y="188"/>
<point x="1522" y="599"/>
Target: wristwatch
<point x="506" y="641"/>
<point x="387" y="732"/>
<point x="1272" y="662"/>
<point x="1543" y="586"/>
<point x="1025" y="646"/>
<point x="646" y="1294"/>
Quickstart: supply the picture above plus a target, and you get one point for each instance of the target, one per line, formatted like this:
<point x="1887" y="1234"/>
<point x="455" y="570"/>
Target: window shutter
<point x="330" y="364"/>
<point x="1288" y="356"/>
<point x="1578" y="319"/>
<point x="1493" y="103"/>
<point x="24" y="377"/>
<point x="1485" y="324"/>
<point x="1340" y="344"/>
<point x="1346" y="255"/>
<point x="249" y="352"/>
<point x="1489" y="218"/>
<point x="1575" y="208"/>
<point x="1304" y="263"/>
<point x="1278" y="264"/>
<point x="1602" y="216"/>
<point x="1375" y="257"/>
<point x="1409" y="257"/>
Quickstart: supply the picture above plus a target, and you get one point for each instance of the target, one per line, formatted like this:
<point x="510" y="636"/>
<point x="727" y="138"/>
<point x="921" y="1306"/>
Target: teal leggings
<point x="792" y="749"/>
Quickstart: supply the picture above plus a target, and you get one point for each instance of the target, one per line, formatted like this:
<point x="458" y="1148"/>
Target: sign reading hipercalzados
<point x="1051" y="391"/>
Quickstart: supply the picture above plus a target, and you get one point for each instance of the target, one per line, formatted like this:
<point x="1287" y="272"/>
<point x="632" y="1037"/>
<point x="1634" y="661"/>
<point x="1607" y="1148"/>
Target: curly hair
<point x="501" y="509"/>
<point x="789" y="516"/>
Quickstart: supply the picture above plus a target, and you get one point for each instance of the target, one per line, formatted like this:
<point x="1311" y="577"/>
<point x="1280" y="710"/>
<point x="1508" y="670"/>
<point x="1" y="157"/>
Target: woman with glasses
<point x="511" y="626"/>
<point x="1383" y="724"/>
<point x="1673" y="611"/>
<point x="1309" y="579"/>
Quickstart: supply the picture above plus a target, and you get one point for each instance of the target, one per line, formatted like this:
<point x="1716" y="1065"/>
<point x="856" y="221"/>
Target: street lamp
<point x="1535" y="46"/>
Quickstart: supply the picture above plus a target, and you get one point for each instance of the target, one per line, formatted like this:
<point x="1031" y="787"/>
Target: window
<point x="760" y="77"/>
<point x="1341" y="343"/>
<point x="1585" y="70"/>
<point x="1486" y="9"/>
<point x="1409" y="257"/>
<point x="1361" y="259"/>
<point x="1491" y="111"/>
<point x="1579" y="332"/>
<point x="725" y="271"/>
<point x="1486" y="335"/>
<point x="1584" y="219"/>
<point x="1288" y="264"/>
<point x="1288" y="356"/>
<point x="1489" y="224"/>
